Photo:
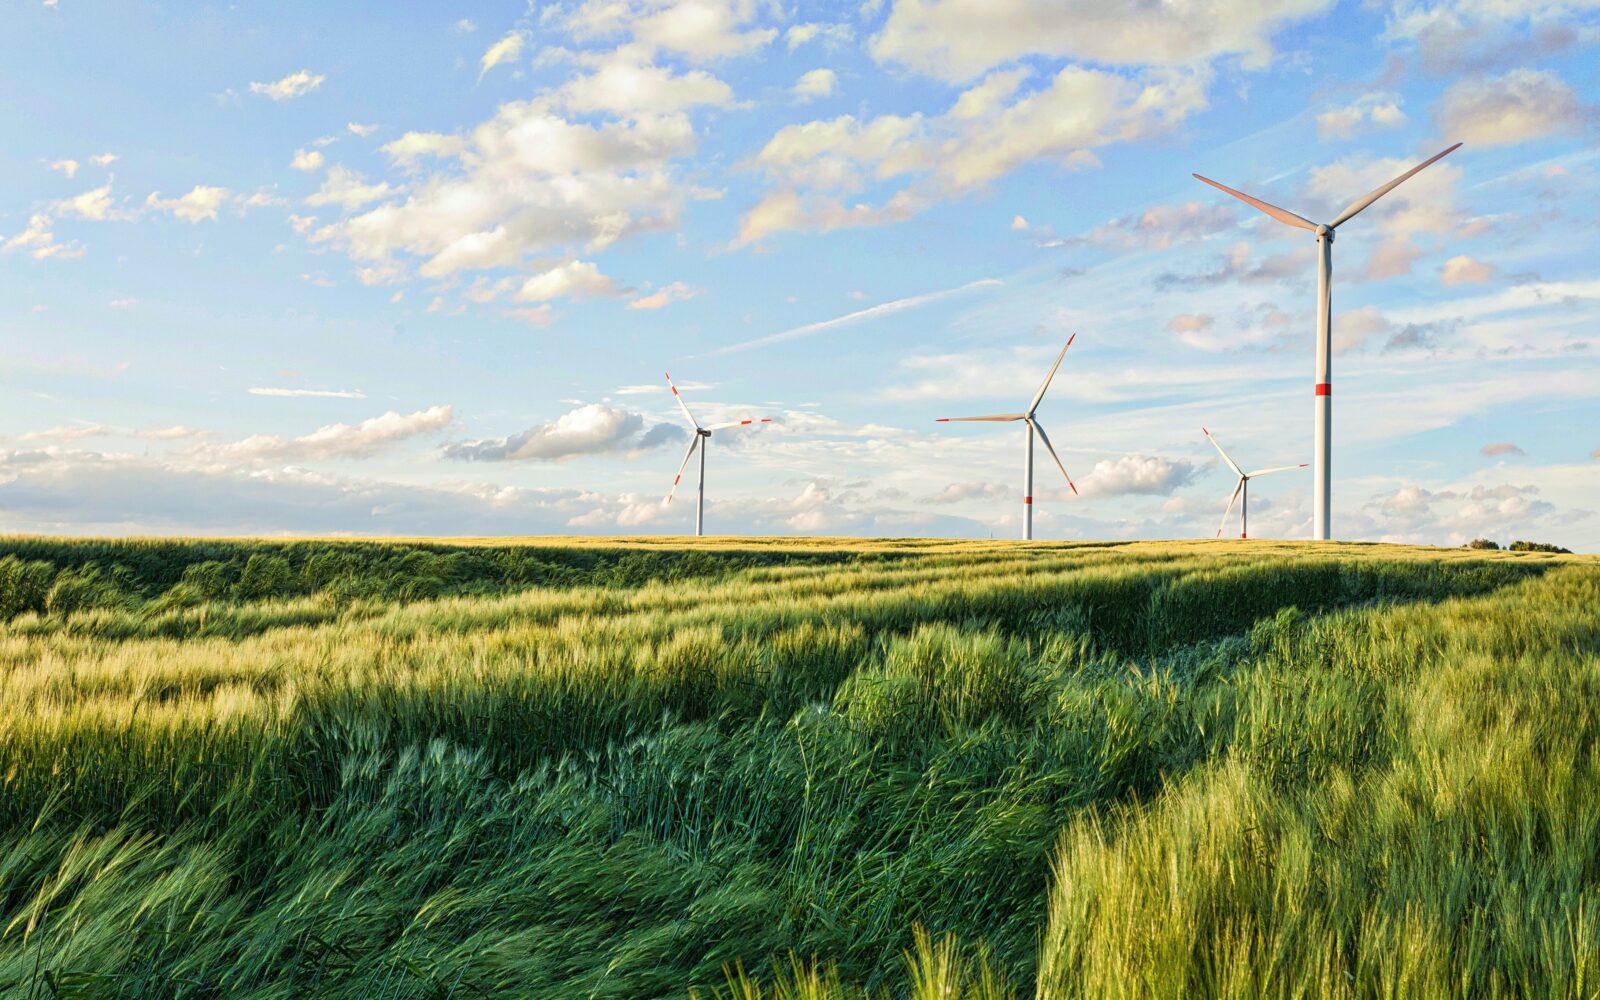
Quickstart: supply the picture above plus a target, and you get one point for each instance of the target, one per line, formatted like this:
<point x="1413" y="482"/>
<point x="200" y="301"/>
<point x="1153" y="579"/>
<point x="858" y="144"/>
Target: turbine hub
<point x="1324" y="233"/>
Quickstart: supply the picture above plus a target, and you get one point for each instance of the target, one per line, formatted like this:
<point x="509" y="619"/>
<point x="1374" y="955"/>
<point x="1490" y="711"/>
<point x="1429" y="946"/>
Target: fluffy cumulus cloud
<point x="39" y="241"/>
<point x="664" y="296"/>
<point x="816" y="83"/>
<point x="1499" y="448"/>
<point x="1464" y="270"/>
<point x="526" y="181"/>
<point x="1366" y="113"/>
<point x="1474" y="36"/>
<point x="575" y="279"/>
<point x="588" y="430"/>
<point x="198" y="205"/>
<point x="95" y="205"/>
<point x="959" y="39"/>
<point x="1522" y="105"/>
<point x="1135" y="474"/>
<point x="304" y="159"/>
<point x="817" y="170"/>
<point x="296" y="84"/>
<point x="1414" y="513"/>
<point x="340" y="441"/>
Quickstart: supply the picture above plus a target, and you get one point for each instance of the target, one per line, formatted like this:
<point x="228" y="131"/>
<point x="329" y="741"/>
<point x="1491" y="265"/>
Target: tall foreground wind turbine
<point x="1242" y="487"/>
<point x="1033" y="427"/>
<point x="1321" y="474"/>
<point x="701" y="440"/>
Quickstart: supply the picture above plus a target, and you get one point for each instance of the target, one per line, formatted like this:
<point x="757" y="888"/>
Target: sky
<point x="309" y="268"/>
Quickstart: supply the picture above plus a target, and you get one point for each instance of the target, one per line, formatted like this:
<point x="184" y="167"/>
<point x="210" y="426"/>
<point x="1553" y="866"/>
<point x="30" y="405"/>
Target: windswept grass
<point x="796" y="769"/>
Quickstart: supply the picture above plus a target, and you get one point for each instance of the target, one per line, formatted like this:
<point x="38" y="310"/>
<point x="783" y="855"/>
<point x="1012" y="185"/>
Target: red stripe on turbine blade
<point x="675" y="480"/>
<point x="1074" y="487"/>
<point x="942" y="420"/>
<point x="1324" y="388"/>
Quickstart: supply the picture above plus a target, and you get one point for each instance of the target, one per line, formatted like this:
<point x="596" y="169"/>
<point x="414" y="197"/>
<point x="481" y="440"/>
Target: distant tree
<point x="1520" y="546"/>
<point x="1483" y="543"/>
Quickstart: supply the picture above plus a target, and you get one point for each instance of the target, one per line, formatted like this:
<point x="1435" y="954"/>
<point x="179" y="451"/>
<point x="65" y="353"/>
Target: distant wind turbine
<point x="1242" y="488"/>
<point x="1322" y="475"/>
<point x="701" y="440"/>
<point x="1033" y="427"/>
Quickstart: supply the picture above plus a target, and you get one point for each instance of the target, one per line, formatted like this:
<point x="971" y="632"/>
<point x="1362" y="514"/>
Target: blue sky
<point x="297" y="268"/>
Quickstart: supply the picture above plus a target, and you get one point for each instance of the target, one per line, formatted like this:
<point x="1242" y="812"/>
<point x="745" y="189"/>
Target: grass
<point x="809" y="769"/>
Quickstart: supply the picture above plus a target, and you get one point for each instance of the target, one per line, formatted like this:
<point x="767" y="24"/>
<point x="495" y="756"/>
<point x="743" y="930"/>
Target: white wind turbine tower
<point x="1322" y="476"/>
<point x="1033" y="427"/>
<point x="701" y="440"/>
<point x="1242" y="487"/>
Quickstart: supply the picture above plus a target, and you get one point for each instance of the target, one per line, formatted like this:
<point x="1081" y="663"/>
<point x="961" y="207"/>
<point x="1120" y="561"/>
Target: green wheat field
<point x="796" y="769"/>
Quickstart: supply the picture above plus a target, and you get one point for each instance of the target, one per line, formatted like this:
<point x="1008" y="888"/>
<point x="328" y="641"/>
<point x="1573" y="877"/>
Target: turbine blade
<point x="1284" y="216"/>
<point x="995" y="416"/>
<point x="681" y="404"/>
<point x="693" y="444"/>
<point x="1276" y="468"/>
<point x="1048" y="447"/>
<point x="1224" y="454"/>
<point x="1356" y="206"/>
<point x="738" y="423"/>
<point x="1046" y="383"/>
<point x="1237" y="487"/>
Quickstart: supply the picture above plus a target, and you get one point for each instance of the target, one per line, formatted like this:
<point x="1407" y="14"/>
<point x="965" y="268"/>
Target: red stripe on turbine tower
<point x="1027" y="499"/>
<point x="1324" y="388"/>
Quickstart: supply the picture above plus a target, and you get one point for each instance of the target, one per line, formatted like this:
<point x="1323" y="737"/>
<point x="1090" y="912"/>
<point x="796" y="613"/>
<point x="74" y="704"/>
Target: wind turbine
<point x="701" y="440"/>
<point x="1242" y="487"/>
<point x="1033" y="427"/>
<point x="1322" y="474"/>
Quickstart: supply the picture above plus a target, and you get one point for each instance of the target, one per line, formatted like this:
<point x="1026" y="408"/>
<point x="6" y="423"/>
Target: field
<point x="813" y="769"/>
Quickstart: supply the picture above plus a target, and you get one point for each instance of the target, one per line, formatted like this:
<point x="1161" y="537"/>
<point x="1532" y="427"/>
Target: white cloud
<point x="357" y="128"/>
<point x="349" y="190"/>
<point x="576" y="279"/>
<point x="1464" y="270"/>
<point x="308" y="393"/>
<point x="1370" y="111"/>
<point x="412" y="146"/>
<point x="68" y="167"/>
<point x="200" y="204"/>
<point x="991" y="130"/>
<point x="816" y="83"/>
<point x="664" y="296"/>
<point x="94" y="204"/>
<point x="306" y="160"/>
<point x="624" y="82"/>
<point x="294" y="85"/>
<point x="466" y="26"/>
<point x="698" y="30"/>
<point x="507" y="49"/>
<point x="40" y="242"/>
<point x="103" y="159"/>
<point x="1019" y="224"/>
<point x="1135" y="474"/>
<point x="959" y="39"/>
<point x="588" y="430"/>
<point x="124" y="303"/>
<point x="1520" y="106"/>
<point x="359" y="440"/>
<point x="527" y="180"/>
<point x="302" y="223"/>
<point x="800" y="34"/>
